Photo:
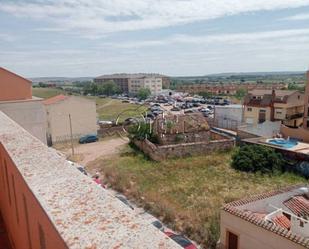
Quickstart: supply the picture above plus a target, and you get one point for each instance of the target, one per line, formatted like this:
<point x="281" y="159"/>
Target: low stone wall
<point x="244" y="135"/>
<point x="163" y="152"/>
<point x="201" y="136"/>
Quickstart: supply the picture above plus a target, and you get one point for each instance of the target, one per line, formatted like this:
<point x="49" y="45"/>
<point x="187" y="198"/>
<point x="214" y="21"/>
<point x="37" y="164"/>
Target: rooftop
<point x="279" y="93"/>
<point x="55" y="99"/>
<point x="128" y="76"/>
<point x="84" y="214"/>
<point x="284" y="212"/>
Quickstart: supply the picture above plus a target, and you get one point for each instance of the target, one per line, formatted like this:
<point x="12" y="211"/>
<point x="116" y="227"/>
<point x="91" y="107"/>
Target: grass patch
<point x="187" y="194"/>
<point x="114" y="107"/>
<point x="46" y="92"/>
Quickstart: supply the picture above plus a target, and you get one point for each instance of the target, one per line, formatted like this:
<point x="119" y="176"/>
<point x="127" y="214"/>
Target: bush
<point x="253" y="158"/>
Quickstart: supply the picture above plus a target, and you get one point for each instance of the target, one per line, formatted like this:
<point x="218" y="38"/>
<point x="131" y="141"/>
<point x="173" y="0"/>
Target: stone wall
<point x="163" y="152"/>
<point x="201" y="136"/>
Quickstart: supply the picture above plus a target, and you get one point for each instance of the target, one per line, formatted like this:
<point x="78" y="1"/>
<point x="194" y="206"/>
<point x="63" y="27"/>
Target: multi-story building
<point x="302" y="133"/>
<point x="274" y="105"/>
<point x="122" y="80"/>
<point x="271" y="220"/>
<point x="17" y="102"/>
<point x="154" y="84"/>
<point x="60" y="109"/>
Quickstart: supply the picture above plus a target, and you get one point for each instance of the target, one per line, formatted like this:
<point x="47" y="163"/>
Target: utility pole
<point x="71" y="134"/>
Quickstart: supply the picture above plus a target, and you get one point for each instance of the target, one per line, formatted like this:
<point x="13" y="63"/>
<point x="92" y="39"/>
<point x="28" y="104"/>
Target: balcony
<point x="294" y="116"/>
<point x="47" y="203"/>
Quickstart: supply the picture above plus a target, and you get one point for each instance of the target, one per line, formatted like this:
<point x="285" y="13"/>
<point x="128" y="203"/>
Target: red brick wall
<point x="26" y="222"/>
<point x="14" y="87"/>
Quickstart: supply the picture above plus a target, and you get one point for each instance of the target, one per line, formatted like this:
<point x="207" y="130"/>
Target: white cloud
<point x="297" y="35"/>
<point x="105" y="16"/>
<point x="298" y="17"/>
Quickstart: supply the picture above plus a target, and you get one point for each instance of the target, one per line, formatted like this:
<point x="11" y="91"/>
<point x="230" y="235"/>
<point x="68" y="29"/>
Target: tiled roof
<point x="129" y="76"/>
<point x="299" y="205"/>
<point x="233" y="208"/>
<point x="280" y="93"/>
<point x="282" y="220"/>
<point x="55" y="99"/>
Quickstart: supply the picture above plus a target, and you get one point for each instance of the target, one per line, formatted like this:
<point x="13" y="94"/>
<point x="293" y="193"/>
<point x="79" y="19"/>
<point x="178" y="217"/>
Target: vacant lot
<point x="45" y="92"/>
<point x="110" y="109"/>
<point x="186" y="193"/>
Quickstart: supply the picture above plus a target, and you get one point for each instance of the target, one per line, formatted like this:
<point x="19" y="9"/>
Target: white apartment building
<point x="154" y="84"/>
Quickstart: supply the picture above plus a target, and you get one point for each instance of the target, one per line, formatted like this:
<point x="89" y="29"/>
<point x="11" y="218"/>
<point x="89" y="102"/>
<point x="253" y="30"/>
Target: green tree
<point x="240" y="93"/>
<point x="110" y="88"/>
<point x="143" y="93"/>
<point x="254" y="158"/>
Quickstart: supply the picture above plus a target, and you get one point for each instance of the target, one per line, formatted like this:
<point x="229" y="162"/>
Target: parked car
<point x="175" y="109"/>
<point x="181" y="240"/>
<point x="158" y="225"/>
<point x="88" y="139"/>
<point x="189" y="111"/>
<point x="124" y="200"/>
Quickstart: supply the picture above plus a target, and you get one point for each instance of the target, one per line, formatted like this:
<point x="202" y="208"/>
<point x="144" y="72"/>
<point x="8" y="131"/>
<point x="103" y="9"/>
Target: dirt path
<point x="92" y="151"/>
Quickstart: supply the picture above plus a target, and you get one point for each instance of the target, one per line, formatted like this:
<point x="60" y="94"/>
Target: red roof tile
<point x="55" y="99"/>
<point x="299" y="205"/>
<point x="233" y="208"/>
<point x="283" y="221"/>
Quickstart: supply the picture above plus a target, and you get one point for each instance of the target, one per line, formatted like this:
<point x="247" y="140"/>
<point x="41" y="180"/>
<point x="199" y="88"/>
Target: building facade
<point x="274" y="105"/>
<point x="17" y="102"/>
<point x="301" y="133"/>
<point x="60" y="109"/>
<point x="128" y="83"/>
<point x="154" y="84"/>
<point x="271" y="220"/>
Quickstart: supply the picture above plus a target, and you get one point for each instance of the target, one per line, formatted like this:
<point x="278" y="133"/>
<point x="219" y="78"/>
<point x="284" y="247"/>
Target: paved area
<point x="92" y="151"/>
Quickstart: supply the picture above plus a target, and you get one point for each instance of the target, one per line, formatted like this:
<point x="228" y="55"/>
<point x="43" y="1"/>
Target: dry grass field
<point x="187" y="194"/>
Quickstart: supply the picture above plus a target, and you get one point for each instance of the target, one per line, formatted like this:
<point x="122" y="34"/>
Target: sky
<point x="77" y="38"/>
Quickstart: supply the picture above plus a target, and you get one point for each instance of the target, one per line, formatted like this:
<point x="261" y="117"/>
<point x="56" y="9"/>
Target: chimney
<point x="272" y="107"/>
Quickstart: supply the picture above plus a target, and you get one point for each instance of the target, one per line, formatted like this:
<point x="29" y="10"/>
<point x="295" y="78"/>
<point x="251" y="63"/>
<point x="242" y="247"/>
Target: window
<point x="262" y="111"/>
<point x="232" y="241"/>
<point x="249" y="109"/>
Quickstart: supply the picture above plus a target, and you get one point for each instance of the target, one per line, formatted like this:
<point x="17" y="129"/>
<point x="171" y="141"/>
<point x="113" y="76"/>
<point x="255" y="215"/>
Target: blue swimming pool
<point x="285" y="143"/>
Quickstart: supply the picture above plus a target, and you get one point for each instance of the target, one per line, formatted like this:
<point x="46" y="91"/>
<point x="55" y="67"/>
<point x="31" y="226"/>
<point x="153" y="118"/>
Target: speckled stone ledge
<point x="83" y="213"/>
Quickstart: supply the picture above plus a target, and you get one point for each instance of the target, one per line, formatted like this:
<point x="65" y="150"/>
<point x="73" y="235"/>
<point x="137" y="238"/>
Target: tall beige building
<point x="60" y="108"/>
<point x="154" y="84"/>
<point x="131" y="83"/>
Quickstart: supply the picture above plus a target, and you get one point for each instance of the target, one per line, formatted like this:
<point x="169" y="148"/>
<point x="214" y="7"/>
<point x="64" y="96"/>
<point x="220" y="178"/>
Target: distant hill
<point x="267" y="77"/>
<point x="59" y="80"/>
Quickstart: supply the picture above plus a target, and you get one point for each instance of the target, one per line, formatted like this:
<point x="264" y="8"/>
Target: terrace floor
<point x="4" y="240"/>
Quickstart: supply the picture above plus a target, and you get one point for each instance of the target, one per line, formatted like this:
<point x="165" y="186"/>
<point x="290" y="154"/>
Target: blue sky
<point x="174" y="37"/>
